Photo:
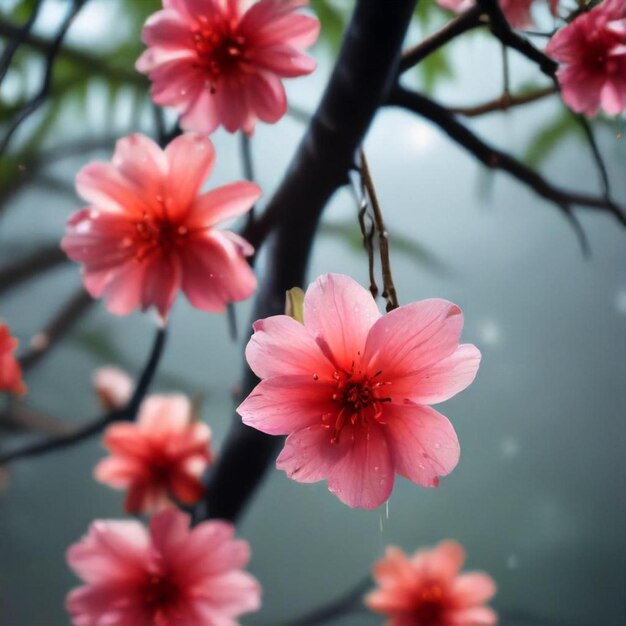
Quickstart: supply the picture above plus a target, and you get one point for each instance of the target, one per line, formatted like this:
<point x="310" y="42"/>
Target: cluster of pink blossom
<point x="592" y="51"/>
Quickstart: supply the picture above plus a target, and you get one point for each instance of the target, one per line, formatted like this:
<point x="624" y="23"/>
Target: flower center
<point x="429" y="606"/>
<point x="219" y="51"/>
<point x="154" y="231"/>
<point x="358" y="401"/>
<point x="159" y="593"/>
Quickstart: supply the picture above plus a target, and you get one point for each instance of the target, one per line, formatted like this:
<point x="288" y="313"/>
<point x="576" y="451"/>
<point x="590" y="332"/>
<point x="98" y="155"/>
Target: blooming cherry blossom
<point x="148" y="233"/>
<point x="517" y="12"/>
<point x="10" y="370"/>
<point x="163" y="455"/>
<point x="168" y="575"/>
<point x="220" y="64"/>
<point x="351" y="388"/>
<point x="592" y="54"/>
<point x="426" y="589"/>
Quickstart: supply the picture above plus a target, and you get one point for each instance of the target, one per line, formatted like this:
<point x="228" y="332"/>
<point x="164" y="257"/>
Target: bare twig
<point x="459" y="25"/>
<point x="349" y="602"/>
<point x="597" y="155"/>
<point x="497" y="159"/>
<point x="62" y="322"/>
<point x="16" y="41"/>
<point x="45" y="259"/>
<point x="504" y="102"/>
<point x="389" y="289"/>
<point x="41" y="95"/>
<point x="128" y="413"/>
<point x="247" y="163"/>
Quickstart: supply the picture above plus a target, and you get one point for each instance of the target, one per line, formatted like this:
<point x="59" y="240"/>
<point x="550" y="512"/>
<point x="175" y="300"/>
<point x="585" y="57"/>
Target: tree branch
<point x="497" y="159"/>
<point x="359" y="84"/>
<point x="39" y="98"/>
<point x="16" y="41"/>
<point x="128" y="413"/>
<point x="46" y="258"/>
<point x="459" y="25"/>
<point x="503" y="103"/>
<point x="63" y="321"/>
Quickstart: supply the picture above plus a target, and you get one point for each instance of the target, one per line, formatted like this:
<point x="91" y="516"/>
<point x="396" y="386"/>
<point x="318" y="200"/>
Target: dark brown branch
<point x="597" y="155"/>
<point x="501" y="29"/>
<point x="504" y="103"/>
<point x="45" y="259"/>
<point x="389" y="288"/>
<point x="497" y="159"/>
<point x="359" y="84"/>
<point x="459" y="25"/>
<point x="128" y="413"/>
<point x="18" y="417"/>
<point x="350" y="602"/>
<point x="63" y="321"/>
<point x="16" y="41"/>
<point x="40" y="97"/>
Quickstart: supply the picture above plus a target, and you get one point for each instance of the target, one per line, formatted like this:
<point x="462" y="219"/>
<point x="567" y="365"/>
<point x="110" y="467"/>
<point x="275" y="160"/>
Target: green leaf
<point x="333" y="23"/>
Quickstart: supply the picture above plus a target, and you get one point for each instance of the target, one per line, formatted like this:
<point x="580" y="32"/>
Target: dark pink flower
<point x="426" y="589"/>
<point x="10" y="370"/>
<point x="163" y="455"/>
<point x="148" y="232"/>
<point x="592" y="52"/>
<point x="169" y="575"/>
<point x="219" y="64"/>
<point x="351" y="387"/>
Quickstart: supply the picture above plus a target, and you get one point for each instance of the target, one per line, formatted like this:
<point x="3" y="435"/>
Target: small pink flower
<point x="351" y="387"/>
<point x="164" y="454"/>
<point x="592" y="51"/>
<point x="517" y="12"/>
<point x="426" y="589"/>
<point x="113" y="386"/>
<point x="218" y="63"/>
<point x="169" y="575"/>
<point x="10" y="370"/>
<point x="148" y="234"/>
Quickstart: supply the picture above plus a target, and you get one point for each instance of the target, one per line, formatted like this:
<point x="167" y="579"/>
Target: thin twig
<point x="349" y="602"/>
<point x="128" y="413"/>
<point x="368" y="241"/>
<point x="16" y="41"/>
<point x="245" y="144"/>
<point x="62" y="322"/>
<point x="45" y="259"/>
<point x="597" y="155"/>
<point x="502" y="30"/>
<point x="389" y="289"/>
<point x="39" y="98"/>
<point x="506" y="74"/>
<point x="459" y="25"/>
<point x="504" y="103"/>
<point x="497" y="159"/>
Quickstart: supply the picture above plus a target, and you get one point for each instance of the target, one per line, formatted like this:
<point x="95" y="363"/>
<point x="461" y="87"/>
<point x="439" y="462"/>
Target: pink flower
<point x="10" y="370"/>
<point x="351" y="387"/>
<point x="147" y="233"/>
<point x="517" y="12"/>
<point x="164" y="454"/>
<point x="217" y="63"/>
<point x="426" y="589"/>
<point x="592" y="50"/>
<point x="168" y="575"/>
<point x="113" y="386"/>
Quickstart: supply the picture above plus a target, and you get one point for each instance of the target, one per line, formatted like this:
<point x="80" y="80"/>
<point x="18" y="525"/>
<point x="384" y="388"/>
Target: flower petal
<point x="340" y="312"/>
<point x="413" y="337"/>
<point x="473" y="588"/>
<point x="283" y="404"/>
<point x="440" y="381"/>
<point x="364" y="476"/>
<point x="281" y="346"/>
<point x="223" y="203"/>
<point x="423" y="443"/>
